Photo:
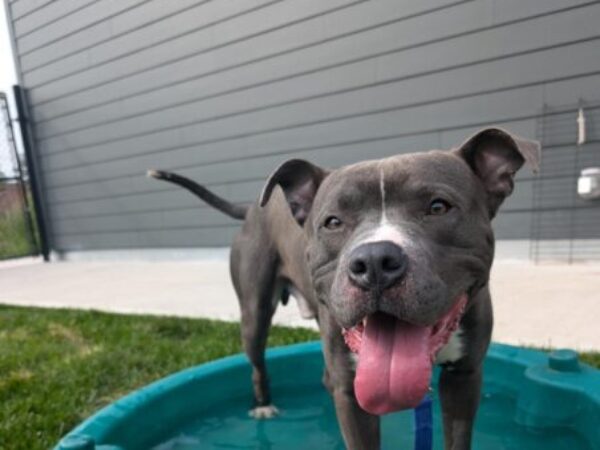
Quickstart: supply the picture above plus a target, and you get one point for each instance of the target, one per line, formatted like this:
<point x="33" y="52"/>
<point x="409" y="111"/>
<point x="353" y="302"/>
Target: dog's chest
<point x="453" y="350"/>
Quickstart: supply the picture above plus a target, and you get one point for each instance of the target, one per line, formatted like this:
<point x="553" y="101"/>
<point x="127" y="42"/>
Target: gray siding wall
<point x="224" y="90"/>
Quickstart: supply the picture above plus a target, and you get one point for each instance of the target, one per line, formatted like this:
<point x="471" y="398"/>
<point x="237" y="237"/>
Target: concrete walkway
<point x="544" y="305"/>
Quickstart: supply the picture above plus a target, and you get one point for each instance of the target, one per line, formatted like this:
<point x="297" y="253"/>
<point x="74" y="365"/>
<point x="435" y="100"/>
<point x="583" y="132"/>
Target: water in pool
<point x="307" y="421"/>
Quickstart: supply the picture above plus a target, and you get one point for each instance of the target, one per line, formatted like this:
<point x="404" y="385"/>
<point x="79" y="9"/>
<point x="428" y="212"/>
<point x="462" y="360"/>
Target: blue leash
<point x="424" y="425"/>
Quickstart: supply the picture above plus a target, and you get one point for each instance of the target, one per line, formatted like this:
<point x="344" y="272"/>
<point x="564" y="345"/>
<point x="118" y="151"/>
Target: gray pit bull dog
<point x="392" y="257"/>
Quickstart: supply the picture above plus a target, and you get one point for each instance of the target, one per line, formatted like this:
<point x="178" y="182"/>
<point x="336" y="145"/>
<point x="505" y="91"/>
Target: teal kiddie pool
<point x="530" y="401"/>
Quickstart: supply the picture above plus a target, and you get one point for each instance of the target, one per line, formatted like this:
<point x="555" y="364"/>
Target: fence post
<point x="33" y="169"/>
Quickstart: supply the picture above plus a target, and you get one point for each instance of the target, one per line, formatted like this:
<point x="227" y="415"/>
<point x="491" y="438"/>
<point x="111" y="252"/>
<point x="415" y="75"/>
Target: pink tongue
<point x="394" y="365"/>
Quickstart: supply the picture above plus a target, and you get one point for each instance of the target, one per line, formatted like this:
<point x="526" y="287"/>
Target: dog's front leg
<point x="360" y="429"/>
<point x="460" y="382"/>
<point x="459" y="393"/>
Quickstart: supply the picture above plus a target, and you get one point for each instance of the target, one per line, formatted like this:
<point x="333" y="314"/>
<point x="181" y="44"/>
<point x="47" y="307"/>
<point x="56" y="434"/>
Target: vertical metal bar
<point x="535" y="230"/>
<point x="33" y="241"/>
<point x="28" y="147"/>
<point x="573" y="206"/>
<point x="580" y="121"/>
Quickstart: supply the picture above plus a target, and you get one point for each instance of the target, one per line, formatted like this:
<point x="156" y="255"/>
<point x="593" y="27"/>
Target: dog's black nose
<point x="377" y="265"/>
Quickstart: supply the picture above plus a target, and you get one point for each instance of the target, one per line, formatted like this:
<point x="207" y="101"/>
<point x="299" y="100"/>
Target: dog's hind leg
<point x="257" y="312"/>
<point x="258" y="294"/>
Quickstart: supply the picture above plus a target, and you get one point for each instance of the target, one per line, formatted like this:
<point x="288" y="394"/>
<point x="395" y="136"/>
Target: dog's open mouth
<point x="395" y="358"/>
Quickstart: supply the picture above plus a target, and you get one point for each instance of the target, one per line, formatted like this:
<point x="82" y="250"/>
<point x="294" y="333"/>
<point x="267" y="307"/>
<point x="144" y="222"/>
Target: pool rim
<point x="96" y="426"/>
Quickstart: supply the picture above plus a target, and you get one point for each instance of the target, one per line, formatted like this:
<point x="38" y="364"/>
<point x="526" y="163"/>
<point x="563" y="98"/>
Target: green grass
<point x="13" y="235"/>
<point x="592" y="358"/>
<point x="59" y="366"/>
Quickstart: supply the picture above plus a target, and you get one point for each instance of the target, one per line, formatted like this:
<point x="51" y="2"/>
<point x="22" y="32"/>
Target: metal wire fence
<point x="565" y="226"/>
<point x="17" y="230"/>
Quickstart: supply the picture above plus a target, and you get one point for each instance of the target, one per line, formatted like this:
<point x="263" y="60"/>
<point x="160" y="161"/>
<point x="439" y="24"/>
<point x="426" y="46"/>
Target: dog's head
<point x="397" y="248"/>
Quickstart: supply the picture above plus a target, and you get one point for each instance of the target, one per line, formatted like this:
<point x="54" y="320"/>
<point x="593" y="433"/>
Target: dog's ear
<point x="495" y="155"/>
<point x="299" y="180"/>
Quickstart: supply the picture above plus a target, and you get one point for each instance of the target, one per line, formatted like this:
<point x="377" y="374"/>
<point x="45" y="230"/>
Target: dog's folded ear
<point x="495" y="155"/>
<point x="299" y="181"/>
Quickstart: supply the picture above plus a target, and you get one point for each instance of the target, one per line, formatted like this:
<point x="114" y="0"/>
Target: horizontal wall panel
<point x="224" y="91"/>
<point x="181" y="47"/>
<point x="451" y="84"/>
<point x="158" y="220"/>
<point x="265" y="129"/>
<point x="51" y="12"/>
<point x="224" y="151"/>
<point x="278" y="45"/>
<point x="205" y="237"/>
<point x="315" y="55"/>
<point x="119" y="29"/>
<point x="262" y="20"/>
<point x="78" y="19"/>
<point x="175" y="34"/>
<point x="515" y="225"/>
<point x="404" y="34"/>
<point x="511" y="10"/>
<point x="21" y="8"/>
<point x="154" y="198"/>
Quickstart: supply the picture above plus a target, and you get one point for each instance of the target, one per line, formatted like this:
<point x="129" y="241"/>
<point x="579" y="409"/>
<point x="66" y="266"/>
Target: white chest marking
<point x="453" y="350"/>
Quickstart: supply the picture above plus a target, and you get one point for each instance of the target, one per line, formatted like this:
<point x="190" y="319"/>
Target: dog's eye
<point x="439" y="207"/>
<point x="332" y="223"/>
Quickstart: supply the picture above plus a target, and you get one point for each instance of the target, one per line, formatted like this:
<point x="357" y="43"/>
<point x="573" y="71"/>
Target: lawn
<point x="59" y="366"/>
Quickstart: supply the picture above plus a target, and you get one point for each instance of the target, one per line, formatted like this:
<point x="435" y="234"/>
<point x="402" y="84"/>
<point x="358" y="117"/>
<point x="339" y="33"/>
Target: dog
<point x="392" y="258"/>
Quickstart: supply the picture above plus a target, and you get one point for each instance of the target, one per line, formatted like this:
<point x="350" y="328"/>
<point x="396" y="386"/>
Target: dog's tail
<point x="235" y="211"/>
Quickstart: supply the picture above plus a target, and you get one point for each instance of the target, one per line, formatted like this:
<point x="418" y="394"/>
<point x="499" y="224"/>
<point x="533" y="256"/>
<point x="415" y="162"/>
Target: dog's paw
<point x="264" y="412"/>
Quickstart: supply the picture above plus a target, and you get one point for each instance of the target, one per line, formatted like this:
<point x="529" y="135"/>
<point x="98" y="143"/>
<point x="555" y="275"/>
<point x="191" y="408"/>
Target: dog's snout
<point x="377" y="265"/>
